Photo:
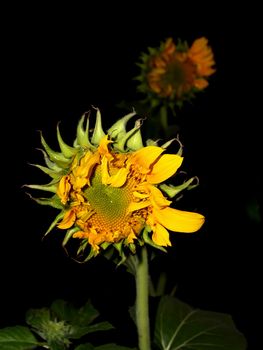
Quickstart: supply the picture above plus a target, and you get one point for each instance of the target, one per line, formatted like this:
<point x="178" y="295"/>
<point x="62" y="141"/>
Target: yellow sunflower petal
<point x="131" y="237"/>
<point x="169" y="46"/>
<point x="80" y="234"/>
<point x="64" y="189"/>
<point x="116" y="180"/>
<point x="165" y="167"/>
<point x="78" y="182"/>
<point x="119" y="178"/>
<point x="133" y="206"/>
<point x="146" y="156"/>
<point x="199" y="44"/>
<point x="77" y="199"/>
<point x="105" y="177"/>
<point x="178" y="220"/>
<point x="200" y="83"/>
<point x="157" y="198"/>
<point x="160" y="236"/>
<point x="140" y="195"/>
<point x="83" y="172"/>
<point x="68" y="220"/>
<point x="103" y="147"/>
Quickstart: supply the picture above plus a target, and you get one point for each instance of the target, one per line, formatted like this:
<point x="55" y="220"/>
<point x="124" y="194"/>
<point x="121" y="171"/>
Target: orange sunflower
<point x="110" y="189"/>
<point x="176" y="72"/>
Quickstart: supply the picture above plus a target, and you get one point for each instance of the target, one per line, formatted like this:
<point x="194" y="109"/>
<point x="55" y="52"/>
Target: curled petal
<point x="64" y="188"/>
<point x="68" y="220"/>
<point x="116" y="180"/>
<point x="157" y="198"/>
<point x="82" y="173"/>
<point x="103" y="147"/>
<point x="119" y="178"/>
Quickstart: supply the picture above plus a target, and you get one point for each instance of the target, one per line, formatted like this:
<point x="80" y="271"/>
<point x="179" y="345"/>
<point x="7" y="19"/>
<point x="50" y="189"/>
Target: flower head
<point x="110" y="189"/>
<point x="175" y="72"/>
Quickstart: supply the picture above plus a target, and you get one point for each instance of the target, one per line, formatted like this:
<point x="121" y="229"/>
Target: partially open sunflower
<point x="110" y="189"/>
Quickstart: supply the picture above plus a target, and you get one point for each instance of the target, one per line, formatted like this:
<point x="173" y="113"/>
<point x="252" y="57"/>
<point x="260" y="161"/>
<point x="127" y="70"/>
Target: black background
<point x="57" y="63"/>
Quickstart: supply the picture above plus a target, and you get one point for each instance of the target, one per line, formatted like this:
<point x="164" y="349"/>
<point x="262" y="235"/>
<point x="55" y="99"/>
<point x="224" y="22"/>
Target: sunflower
<point x="175" y="72"/>
<point x="110" y="189"/>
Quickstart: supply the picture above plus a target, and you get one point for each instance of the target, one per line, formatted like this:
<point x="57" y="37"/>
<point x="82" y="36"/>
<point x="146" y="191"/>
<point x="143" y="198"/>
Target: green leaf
<point x="86" y="314"/>
<point x="36" y="317"/>
<point x="17" y="338"/>
<point x="179" y="326"/>
<point x="54" y="345"/>
<point x="67" y="312"/>
<point x="112" y="346"/>
<point x="79" y="319"/>
<point x="64" y="310"/>
<point x="85" y="347"/>
<point x="79" y="331"/>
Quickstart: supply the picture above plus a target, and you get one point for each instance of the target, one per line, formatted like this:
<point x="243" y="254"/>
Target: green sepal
<point x="52" y="187"/>
<point x="82" y="248"/>
<point x="118" y="247"/>
<point x="91" y="255"/>
<point x="135" y="142"/>
<point x="168" y="143"/>
<point x="151" y="142"/>
<point x="53" y="224"/>
<point x="105" y="245"/>
<point x="51" y="165"/>
<point x="132" y="248"/>
<point x="180" y="151"/>
<point x="82" y="138"/>
<point x="52" y="173"/>
<point x="182" y="46"/>
<point x="172" y="191"/>
<point x="56" y="157"/>
<point x="118" y="129"/>
<point x="98" y="132"/>
<point x="152" y="50"/>
<point x="69" y="234"/>
<point x="122" y="142"/>
<point x="54" y="201"/>
<point x="66" y="150"/>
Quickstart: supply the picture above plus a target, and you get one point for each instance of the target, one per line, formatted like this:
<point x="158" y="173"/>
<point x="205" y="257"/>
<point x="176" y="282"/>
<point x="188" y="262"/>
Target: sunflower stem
<point x="142" y="301"/>
<point x="164" y="119"/>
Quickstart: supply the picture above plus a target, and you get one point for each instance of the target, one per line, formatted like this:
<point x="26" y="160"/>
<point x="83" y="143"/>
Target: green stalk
<point x="142" y="301"/>
<point x="164" y="119"/>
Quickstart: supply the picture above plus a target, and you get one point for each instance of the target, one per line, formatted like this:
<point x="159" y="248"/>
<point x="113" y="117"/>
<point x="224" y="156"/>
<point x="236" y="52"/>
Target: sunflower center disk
<point x="175" y="74"/>
<point x="109" y="203"/>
